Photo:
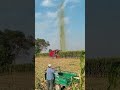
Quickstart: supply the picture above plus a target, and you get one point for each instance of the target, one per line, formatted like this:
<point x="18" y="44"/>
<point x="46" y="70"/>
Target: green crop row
<point x="66" y="54"/>
<point x="43" y="54"/>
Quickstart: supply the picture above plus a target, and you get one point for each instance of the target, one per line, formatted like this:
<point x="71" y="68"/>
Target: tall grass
<point x="108" y="68"/>
<point x="82" y="71"/>
<point x="113" y="76"/>
<point x="81" y="85"/>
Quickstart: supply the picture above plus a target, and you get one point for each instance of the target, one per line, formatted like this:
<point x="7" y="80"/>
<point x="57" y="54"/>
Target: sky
<point x="47" y="27"/>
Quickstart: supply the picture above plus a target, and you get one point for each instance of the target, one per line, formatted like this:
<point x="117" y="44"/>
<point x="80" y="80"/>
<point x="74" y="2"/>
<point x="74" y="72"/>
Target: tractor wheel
<point x="57" y="87"/>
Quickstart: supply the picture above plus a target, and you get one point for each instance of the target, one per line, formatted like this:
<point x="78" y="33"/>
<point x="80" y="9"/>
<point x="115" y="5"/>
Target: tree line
<point x="12" y="43"/>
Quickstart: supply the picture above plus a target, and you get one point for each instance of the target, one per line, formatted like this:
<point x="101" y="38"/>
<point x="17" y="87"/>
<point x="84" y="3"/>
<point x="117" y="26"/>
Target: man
<point x="50" y="77"/>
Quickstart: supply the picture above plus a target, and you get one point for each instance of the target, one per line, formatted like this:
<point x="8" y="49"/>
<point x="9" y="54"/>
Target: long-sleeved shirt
<point x="50" y="74"/>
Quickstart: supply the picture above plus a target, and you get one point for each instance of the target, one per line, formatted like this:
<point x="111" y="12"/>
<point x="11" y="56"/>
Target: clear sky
<point x="46" y="23"/>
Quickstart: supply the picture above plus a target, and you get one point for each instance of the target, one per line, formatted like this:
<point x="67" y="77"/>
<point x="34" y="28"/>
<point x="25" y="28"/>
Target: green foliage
<point x="42" y="55"/>
<point x="11" y="44"/>
<point x="40" y="44"/>
<point x="66" y="54"/>
<point x="114" y="74"/>
<point x="106" y="68"/>
<point x="82" y="71"/>
<point x="99" y="66"/>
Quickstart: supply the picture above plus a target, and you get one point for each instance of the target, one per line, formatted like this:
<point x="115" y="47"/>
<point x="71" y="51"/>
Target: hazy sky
<point x="46" y="22"/>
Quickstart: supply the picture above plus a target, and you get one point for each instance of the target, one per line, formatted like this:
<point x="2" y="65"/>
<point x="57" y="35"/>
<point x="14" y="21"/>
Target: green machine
<point x="65" y="78"/>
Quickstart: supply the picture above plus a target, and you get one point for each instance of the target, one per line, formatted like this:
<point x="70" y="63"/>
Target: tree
<point x="12" y="43"/>
<point x="40" y="44"/>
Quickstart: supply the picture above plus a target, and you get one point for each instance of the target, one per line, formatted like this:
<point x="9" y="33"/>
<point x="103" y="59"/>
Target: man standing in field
<point x="50" y="77"/>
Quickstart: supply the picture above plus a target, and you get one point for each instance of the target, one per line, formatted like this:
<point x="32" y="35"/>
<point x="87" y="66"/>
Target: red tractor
<point x="54" y="53"/>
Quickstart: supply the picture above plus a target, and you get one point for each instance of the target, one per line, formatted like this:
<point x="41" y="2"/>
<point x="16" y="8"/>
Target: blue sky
<point x="46" y="23"/>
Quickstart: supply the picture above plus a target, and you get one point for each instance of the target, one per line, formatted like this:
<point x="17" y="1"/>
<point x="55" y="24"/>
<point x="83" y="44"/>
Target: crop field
<point x="41" y="63"/>
<point x="99" y="74"/>
<point x="103" y="73"/>
<point x="99" y="83"/>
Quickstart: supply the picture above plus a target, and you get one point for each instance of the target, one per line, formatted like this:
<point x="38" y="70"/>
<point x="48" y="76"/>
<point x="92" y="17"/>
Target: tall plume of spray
<point x="62" y="27"/>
